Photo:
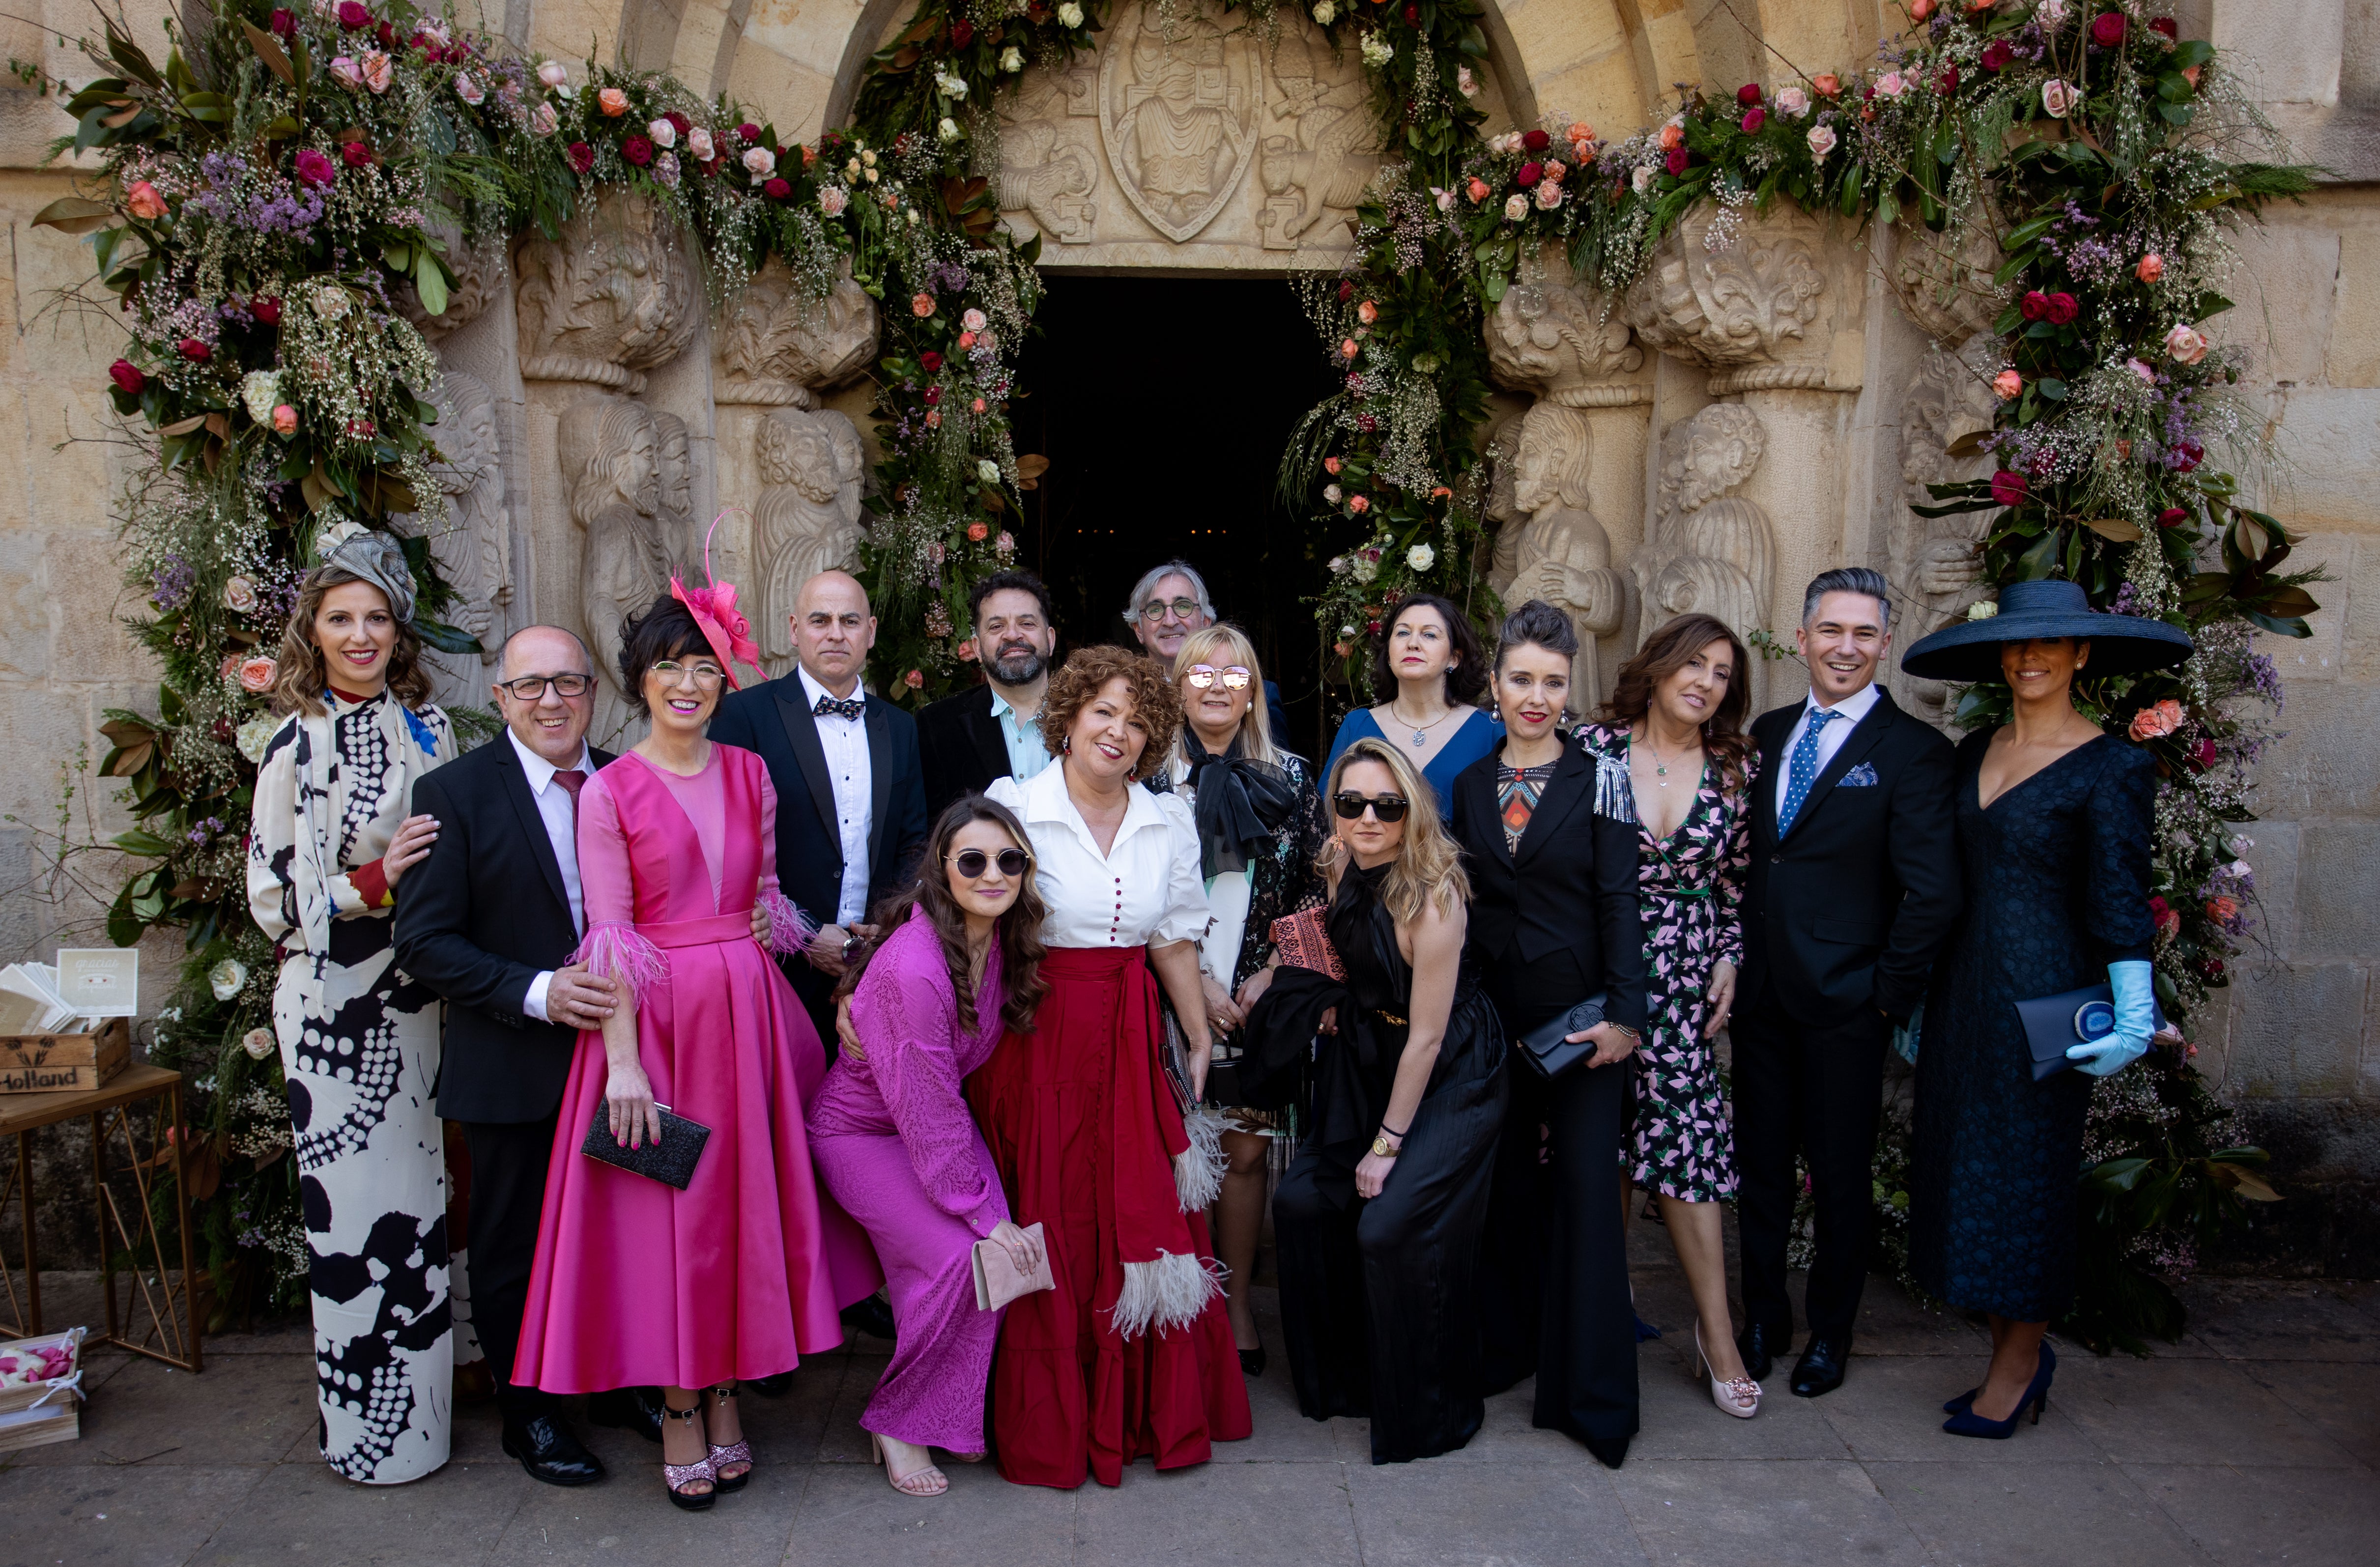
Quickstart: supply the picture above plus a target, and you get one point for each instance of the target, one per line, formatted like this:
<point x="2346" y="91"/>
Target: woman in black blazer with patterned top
<point x="1553" y="921"/>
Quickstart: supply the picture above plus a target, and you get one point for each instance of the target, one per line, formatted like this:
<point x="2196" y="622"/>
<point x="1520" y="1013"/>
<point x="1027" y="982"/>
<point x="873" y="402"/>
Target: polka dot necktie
<point x="1802" y="770"/>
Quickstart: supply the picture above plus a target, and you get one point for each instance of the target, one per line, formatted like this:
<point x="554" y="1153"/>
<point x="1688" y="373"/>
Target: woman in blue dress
<point x="1431" y="659"/>
<point x="2055" y="817"/>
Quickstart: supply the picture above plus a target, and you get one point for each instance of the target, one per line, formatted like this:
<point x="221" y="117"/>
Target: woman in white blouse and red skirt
<point x="1131" y="1354"/>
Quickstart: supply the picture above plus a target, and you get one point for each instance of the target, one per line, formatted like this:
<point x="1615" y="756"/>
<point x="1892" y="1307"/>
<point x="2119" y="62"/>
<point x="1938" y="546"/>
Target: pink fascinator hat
<point x="713" y="608"/>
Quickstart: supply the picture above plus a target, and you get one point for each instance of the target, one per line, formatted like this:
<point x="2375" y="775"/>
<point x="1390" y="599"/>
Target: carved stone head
<point x="1555" y="459"/>
<point x="610" y="449"/>
<point x="675" y="463"/>
<point x="817" y="454"/>
<point x="1704" y="456"/>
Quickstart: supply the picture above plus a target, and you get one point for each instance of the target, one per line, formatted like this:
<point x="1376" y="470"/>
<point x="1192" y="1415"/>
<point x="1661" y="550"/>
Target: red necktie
<point x="574" y="780"/>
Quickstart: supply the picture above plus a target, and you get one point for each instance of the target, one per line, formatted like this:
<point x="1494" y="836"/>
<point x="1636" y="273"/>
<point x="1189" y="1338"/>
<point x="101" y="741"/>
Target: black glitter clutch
<point x="670" y="1161"/>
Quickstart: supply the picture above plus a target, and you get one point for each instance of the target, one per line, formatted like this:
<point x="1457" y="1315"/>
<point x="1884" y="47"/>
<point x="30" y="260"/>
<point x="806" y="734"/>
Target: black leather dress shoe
<point x="629" y="1409"/>
<point x="548" y="1450"/>
<point x="1820" y="1369"/>
<point x="1760" y="1346"/>
<point x="872" y="1317"/>
<point x="776" y="1386"/>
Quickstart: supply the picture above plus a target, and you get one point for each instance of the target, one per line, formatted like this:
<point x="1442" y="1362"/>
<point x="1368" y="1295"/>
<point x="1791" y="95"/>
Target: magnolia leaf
<point x="430" y="282"/>
<point x="2288" y="603"/>
<point x="992" y="503"/>
<point x="122" y="116"/>
<point x="316" y="488"/>
<point x="2244" y="1181"/>
<point x="1967" y="445"/>
<point x="2116" y="528"/>
<point x="444" y="637"/>
<point x="184" y="426"/>
<point x="218" y="426"/>
<point x="2250" y="537"/>
<point x="268" y="49"/>
<point x="128" y="760"/>
<point x="75" y="214"/>
<point x="1032" y="465"/>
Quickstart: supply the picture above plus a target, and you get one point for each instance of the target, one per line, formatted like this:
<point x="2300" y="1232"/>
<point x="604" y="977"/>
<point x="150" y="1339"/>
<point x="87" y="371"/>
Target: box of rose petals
<point x="41" y="1390"/>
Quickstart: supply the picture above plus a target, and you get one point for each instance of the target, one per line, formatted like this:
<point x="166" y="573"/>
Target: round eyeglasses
<point x="531" y="687"/>
<point x="972" y="863"/>
<point x="1203" y="676"/>
<point x="1156" y="610"/>
<point x="706" y="677"/>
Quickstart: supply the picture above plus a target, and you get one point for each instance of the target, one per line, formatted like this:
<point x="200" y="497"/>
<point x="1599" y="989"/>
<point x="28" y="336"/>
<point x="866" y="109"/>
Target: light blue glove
<point x="2135" y="1021"/>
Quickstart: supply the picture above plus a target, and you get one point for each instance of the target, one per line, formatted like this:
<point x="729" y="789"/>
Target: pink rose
<point x="1891" y="84"/>
<point x="2057" y="98"/>
<point x="1005" y="543"/>
<point x="1359" y="504"/>
<point x="143" y="201"/>
<point x="346" y="72"/>
<point x="1550" y="195"/>
<point x="664" y="133"/>
<point x="921" y="305"/>
<point x="284" y="419"/>
<point x="2007" y="384"/>
<point x="256" y="674"/>
<point x="1822" y="141"/>
<point x="543" y="121"/>
<point x="759" y="162"/>
<point x="915" y="680"/>
<point x="966" y="650"/>
<point x="467" y="90"/>
<point x="973" y="321"/>
<point x="1367" y="313"/>
<point x="698" y="143"/>
<point x="833" y="199"/>
<point x="1349" y="348"/>
<point x="554" y="73"/>
<point x="977" y="533"/>
<point x="2184" y="344"/>
<point x="2143" y="368"/>
<point x="1792" y="103"/>
<point x="2152" y="267"/>
<point x="1331" y="465"/>
<point x="612" y="102"/>
<point x="380" y="71"/>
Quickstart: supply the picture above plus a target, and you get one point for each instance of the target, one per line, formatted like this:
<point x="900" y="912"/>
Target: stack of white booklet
<point x="87" y="985"/>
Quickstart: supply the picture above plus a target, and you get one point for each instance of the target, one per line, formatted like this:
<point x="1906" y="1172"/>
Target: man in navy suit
<point x="851" y="796"/>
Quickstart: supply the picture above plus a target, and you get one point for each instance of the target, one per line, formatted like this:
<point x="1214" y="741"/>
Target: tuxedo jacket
<point x="961" y="747"/>
<point x="1571" y="885"/>
<point x="477" y="921"/>
<point x="1848" y="911"/>
<point x="774" y="719"/>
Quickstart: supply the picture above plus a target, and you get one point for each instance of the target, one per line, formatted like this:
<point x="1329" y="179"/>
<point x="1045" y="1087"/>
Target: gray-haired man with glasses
<point x="1168" y="603"/>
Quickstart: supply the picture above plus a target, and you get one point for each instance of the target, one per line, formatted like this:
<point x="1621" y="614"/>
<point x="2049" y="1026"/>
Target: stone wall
<point x="1739" y="420"/>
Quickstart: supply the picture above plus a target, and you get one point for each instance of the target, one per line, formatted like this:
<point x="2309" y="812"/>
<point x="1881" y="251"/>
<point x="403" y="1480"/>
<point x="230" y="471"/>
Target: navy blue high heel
<point x="1962" y="1401"/>
<point x="1967" y="1423"/>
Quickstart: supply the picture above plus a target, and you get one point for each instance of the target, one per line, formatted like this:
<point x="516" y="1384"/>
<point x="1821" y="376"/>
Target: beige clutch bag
<point x="996" y="1280"/>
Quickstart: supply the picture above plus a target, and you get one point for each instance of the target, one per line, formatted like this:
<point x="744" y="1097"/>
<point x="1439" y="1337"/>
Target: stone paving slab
<point x="2256" y="1440"/>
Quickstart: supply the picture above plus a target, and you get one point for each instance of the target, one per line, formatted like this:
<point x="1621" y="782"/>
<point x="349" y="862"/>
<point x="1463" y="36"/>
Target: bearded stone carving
<point x="1750" y="303"/>
<point x="1561" y="553"/>
<point x="614" y="296"/>
<point x="1552" y="336"/>
<point x="1944" y="281"/>
<point x="610" y="454"/>
<point x="479" y="273"/>
<point x="473" y="546"/>
<point x="673" y="448"/>
<point x="807" y="519"/>
<point x="1709" y="551"/>
<point x="1937" y="563"/>
<point x="779" y="347"/>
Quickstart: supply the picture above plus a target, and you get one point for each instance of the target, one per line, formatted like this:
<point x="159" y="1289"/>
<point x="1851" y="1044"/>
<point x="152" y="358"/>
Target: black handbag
<point x="1547" y="1047"/>
<point x="2054" y="1024"/>
<point x="671" y="1160"/>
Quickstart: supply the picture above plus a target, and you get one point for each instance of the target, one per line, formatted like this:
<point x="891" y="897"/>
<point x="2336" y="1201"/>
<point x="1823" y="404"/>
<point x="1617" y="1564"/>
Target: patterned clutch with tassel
<point x="1303" y="942"/>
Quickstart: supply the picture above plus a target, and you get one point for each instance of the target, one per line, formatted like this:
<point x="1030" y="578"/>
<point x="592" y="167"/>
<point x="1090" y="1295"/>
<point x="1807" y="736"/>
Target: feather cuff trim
<point x="789" y="929"/>
<point x="1198" y="1168"/>
<point x="1168" y="1292"/>
<point x="613" y="951"/>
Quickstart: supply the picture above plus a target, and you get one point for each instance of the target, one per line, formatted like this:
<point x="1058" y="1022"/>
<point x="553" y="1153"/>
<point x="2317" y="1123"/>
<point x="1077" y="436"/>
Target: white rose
<point x="226" y="979"/>
<point x="258" y="1043"/>
<point x="1550" y="195"/>
<point x="912" y="216"/>
<point x="1421" y="557"/>
<point x="1338" y="565"/>
<point x="1011" y="59"/>
<point x="1792" y="103"/>
<point x="1822" y="141"/>
<point x="260" y="389"/>
<point x="759" y="162"/>
<point x="331" y="301"/>
<point x="698" y="143"/>
<point x="1377" y="50"/>
<point x="1642" y="180"/>
<point x="973" y="321"/>
<point x="987" y="470"/>
<point x="1331" y="492"/>
<point x="1516" y="207"/>
<point x="1326" y="13"/>
<point x="554" y="73"/>
<point x="947" y="129"/>
<point x="467" y="90"/>
<point x="2049" y="14"/>
<point x="1465" y="83"/>
<point x="1069" y="15"/>
<point x="664" y="133"/>
<point x="239" y="596"/>
<point x="950" y="86"/>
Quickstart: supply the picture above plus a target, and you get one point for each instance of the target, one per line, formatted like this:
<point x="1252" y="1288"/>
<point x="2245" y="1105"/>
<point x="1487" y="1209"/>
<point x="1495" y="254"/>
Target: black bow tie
<point x="850" y="707"/>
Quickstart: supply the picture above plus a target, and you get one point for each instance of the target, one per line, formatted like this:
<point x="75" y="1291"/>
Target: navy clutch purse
<point x="1547" y="1047"/>
<point x="670" y="1162"/>
<point x="2053" y="1024"/>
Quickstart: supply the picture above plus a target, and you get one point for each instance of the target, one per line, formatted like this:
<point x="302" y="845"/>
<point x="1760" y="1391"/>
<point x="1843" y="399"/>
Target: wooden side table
<point x="157" y="1290"/>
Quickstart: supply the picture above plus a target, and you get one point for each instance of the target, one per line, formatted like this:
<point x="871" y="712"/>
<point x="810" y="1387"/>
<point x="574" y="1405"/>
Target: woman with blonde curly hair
<point x="1131" y="1354"/>
<point x="1380" y="1217"/>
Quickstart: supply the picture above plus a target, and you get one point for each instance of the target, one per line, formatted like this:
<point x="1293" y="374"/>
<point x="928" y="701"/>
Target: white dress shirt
<point x="1144" y="888"/>
<point x="554" y="808"/>
<point x="1849" y="711"/>
<point x="844" y="740"/>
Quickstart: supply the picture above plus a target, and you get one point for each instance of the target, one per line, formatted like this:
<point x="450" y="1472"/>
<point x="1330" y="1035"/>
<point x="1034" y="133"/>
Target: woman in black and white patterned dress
<point x="331" y="839"/>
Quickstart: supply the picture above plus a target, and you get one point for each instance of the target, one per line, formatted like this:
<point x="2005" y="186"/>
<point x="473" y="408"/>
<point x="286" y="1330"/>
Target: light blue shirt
<point x="1027" y="753"/>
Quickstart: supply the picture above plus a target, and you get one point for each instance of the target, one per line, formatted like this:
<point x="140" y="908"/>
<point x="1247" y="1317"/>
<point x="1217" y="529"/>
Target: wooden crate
<point x="60" y="1421"/>
<point x="52" y="1063"/>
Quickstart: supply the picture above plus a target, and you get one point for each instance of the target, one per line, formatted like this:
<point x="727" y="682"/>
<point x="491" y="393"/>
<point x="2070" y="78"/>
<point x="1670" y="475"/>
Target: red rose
<point x="1948" y="82"/>
<point x="2188" y="456"/>
<point x="2062" y="309"/>
<point x="266" y="310"/>
<point x="638" y="150"/>
<point x="581" y="156"/>
<point x="933" y="395"/>
<point x="777" y="188"/>
<point x="2166" y="25"/>
<point x="931" y="360"/>
<point x="1753" y="118"/>
<point x="678" y="122"/>
<point x="749" y="132"/>
<point x="1366" y="423"/>
<point x="1997" y="53"/>
<point x="1676" y="161"/>
<point x="2009" y="487"/>
<point x="387" y="34"/>
<point x="1534" y="141"/>
<point x="2035" y="305"/>
<point x="1530" y="173"/>
<point x="2108" y="30"/>
<point x="1748" y="95"/>
<point x="194" y="351"/>
<point x="2202" y="753"/>
<point x="353" y="15"/>
<point x="962" y="34"/>
<point x="283" y="24"/>
<point x="354" y="154"/>
<point x="2172" y="517"/>
<point x="127" y="377"/>
<point x="1412" y="16"/>
<point x="1346" y="292"/>
<point x="315" y="168"/>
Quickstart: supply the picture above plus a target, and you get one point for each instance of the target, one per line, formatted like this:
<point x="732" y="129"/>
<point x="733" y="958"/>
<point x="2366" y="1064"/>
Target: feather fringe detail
<point x="1168" y="1292"/>
<point x="1614" y="796"/>
<point x="1198" y="1168"/>
<point x="613" y="951"/>
<point x="789" y="929"/>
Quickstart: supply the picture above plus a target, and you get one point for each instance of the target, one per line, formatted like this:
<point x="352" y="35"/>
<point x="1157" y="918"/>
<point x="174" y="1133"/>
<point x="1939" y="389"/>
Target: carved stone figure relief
<point x="1944" y="281"/>
<point x="1935" y="564"/>
<point x="1710" y="551"/>
<point x="611" y="451"/>
<point x="807" y="519"/>
<point x="681" y="534"/>
<point x="1178" y="105"/>
<point x="473" y="546"/>
<point x="779" y="347"/>
<point x="1322" y="153"/>
<point x="614" y="296"/>
<point x="1561" y="554"/>
<point x="1048" y="166"/>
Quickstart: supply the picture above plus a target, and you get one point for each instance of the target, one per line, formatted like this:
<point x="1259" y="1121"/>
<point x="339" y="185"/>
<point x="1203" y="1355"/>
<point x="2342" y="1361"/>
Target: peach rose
<point x="612" y="102"/>
<point x="915" y="680"/>
<point x="966" y="650"/>
<point x="2007" y="384"/>
<point x="1477" y="190"/>
<point x="2151" y="724"/>
<point x="977" y="533"/>
<point x="1367" y="313"/>
<point x="2222" y="910"/>
<point x="2152" y="267"/>
<point x="921" y="305"/>
<point x="1828" y="84"/>
<point x="256" y="674"/>
<point x="284" y="419"/>
<point x="143" y="201"/>
<point x="1673" y="135"/>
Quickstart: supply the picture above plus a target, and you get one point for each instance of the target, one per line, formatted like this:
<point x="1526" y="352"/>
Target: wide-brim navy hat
<point x="2120" y="644"/>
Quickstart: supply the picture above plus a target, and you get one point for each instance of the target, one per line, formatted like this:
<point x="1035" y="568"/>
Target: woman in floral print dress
<point x="1675" y="720"/>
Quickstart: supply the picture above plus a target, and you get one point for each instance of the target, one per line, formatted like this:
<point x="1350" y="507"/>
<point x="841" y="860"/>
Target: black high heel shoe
<point x="1967" y="1423"/>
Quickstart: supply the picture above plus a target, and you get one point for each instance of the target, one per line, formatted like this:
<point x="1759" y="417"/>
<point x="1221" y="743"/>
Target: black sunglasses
<point x="972" y="862"/>
<point x="1388" y="808"/>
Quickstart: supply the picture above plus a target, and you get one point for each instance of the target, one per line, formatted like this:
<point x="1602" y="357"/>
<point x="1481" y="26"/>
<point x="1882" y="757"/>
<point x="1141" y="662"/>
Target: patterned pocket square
<point x="1861" y="777"/>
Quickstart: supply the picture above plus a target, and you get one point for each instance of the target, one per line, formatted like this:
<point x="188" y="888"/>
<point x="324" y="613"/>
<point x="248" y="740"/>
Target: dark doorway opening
<point x="1163" y="405"/>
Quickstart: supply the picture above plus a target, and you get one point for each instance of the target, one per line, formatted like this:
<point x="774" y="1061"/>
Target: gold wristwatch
<point x="1384" y="1148"/>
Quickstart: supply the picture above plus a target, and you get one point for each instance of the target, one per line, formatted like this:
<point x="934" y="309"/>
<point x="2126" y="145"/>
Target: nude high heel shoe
<point x="1739" y="1396"/>
<point x="929" y="1481"/>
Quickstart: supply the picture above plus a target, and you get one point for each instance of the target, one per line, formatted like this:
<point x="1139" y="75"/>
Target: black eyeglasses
<point x="973" y="862"/>
<point x="1388" y="808"/>
<point x="531" y="687"/>
<point x="1155" y="610"/>
<point x="1202" y="675"/>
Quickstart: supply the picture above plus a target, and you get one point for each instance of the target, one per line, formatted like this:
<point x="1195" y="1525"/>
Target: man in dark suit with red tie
<point x="1853" y="889"/>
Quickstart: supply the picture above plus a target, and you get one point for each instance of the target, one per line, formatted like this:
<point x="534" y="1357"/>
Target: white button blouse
<point x="1144" y="890"/>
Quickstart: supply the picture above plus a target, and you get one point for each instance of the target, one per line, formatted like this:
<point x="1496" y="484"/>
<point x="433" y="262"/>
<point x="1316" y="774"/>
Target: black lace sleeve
<point x="1285" y="880"/>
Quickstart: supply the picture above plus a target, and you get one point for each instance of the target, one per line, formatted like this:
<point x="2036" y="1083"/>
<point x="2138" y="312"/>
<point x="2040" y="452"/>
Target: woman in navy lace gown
<point x="2055" y="817"/>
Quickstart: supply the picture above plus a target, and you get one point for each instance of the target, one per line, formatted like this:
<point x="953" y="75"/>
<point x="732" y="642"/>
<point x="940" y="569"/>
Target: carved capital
<point x="614" y="296"/>
<point x="479" y="272"/>
<point x="1735" y="290"/>
<point x="779" y="347"/>
<point x="1561" y="339"/>
<point x="1944" y="281"/>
